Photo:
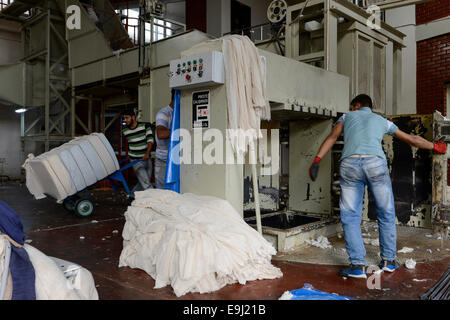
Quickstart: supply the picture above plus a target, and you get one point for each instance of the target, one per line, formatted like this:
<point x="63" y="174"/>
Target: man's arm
<point x="326" y="146"/>
<point x="419" y="142"/>
<point x="329" y="142"/>
<point x="147" y="153"/>
<point x="162" y="132"/>
<point x="149" y="137"/>
<point x="414" y="141"/>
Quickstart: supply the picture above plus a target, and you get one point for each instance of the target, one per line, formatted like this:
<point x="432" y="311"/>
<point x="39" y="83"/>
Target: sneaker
<point x="389" y="266"/>
<point x="355" y="271"/>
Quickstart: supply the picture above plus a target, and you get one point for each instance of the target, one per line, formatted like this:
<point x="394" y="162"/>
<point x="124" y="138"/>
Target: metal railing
<point x="258" y="33"/>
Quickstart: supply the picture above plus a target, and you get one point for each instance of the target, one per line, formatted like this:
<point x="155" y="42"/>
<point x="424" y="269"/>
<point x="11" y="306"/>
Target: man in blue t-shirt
<point x="363" y="163"/>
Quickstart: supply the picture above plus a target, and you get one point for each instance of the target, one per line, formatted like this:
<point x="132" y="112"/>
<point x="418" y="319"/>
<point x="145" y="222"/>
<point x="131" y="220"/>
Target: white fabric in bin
<point x="83" y="163"/>
<point x="70" y="168"/>
<point x="42" y="180"/>
<point x="109" y="148"/>
<point x="102" y="151"/>
<point x="60" y="171"/>
<point x="93" y="159"/>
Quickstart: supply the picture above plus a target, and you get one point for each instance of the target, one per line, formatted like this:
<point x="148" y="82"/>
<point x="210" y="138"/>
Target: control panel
<point x="202" y="70"/>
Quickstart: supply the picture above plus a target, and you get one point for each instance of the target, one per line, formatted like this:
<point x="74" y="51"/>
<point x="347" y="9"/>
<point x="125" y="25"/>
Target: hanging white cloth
<point x="193" y="243"/>
<point x="245" y="81"/>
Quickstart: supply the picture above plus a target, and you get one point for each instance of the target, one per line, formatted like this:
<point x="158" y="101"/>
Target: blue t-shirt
<point x="364" y="131"/>
<point x="164" y="119"/>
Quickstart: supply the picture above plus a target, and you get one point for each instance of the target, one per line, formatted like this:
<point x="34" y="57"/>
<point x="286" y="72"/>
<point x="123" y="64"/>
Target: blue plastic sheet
<point x="172" y="178"/>
<point x="308" y="292"/>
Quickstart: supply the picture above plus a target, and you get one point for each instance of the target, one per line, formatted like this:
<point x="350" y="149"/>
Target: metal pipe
<point x="47" y="83"/>
<point x="255" y="186"/>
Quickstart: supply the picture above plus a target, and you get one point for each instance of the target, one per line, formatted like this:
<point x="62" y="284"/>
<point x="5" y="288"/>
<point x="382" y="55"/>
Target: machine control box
<point x="202" y="70"/>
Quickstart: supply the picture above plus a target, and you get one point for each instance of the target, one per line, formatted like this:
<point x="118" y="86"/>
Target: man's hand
<point x="314" y="169"/>
<point x="146" y="157"/>
<point x="440" y="147"/>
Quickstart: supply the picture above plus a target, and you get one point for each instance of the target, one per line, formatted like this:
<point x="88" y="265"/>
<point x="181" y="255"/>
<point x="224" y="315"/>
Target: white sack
<point x="193" y="243"/>
<point x="51" y="284"/>
<point x="50" y="281"/>
<point x="71" y="167"/>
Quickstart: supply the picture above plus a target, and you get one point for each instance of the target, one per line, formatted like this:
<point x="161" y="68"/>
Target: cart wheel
<point x="69" y="203"/>
<point x="84" y="208"/>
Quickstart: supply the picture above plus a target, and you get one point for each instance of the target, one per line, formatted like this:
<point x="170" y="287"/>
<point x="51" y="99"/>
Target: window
<point x="5" y="3"/>
<point x="161" y="28"/>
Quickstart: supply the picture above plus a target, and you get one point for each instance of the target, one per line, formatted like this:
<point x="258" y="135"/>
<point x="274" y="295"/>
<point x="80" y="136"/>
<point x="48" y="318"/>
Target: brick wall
<point x="433" y="71"/>
<point x="432" y="10"/>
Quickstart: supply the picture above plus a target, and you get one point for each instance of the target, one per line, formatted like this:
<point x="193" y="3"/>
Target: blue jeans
<point x="160" y="173"/>
<point x="143" y="172"/>
<point x="356" y="173"/>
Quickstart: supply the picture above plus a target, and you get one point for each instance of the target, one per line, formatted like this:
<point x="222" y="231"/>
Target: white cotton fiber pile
<point x="193" y="243"/>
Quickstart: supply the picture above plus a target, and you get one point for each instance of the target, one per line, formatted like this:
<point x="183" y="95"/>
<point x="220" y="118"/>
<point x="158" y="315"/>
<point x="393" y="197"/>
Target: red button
<point x="188" y="77"/>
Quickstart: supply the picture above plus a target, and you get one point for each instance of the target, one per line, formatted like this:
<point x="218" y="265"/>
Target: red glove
<point x="440" y="147"/>
<point x="314" y="169"/>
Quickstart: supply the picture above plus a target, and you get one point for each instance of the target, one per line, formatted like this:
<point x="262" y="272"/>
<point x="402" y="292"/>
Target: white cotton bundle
<point x="193" y="243"/>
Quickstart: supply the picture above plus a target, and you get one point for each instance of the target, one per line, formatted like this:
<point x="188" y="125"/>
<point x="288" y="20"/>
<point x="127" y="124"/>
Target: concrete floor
<point x="426" y="246"/>
<point x="57" y="233"/>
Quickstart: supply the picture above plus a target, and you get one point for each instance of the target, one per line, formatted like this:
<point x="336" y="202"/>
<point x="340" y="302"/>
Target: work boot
<point x="355" y="271"/>
<point x="389" y="266"/>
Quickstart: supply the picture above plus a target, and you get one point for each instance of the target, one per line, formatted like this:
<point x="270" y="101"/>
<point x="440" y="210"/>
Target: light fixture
<point x="21" y="110"/>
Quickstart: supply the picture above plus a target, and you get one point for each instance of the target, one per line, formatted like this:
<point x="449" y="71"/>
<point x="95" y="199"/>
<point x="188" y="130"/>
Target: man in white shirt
<point x="163" y="126"/>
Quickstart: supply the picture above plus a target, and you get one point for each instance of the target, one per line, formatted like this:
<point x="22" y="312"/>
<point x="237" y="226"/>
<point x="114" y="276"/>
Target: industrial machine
<point x="320" y="54"/>
<point x="303" y="96"/>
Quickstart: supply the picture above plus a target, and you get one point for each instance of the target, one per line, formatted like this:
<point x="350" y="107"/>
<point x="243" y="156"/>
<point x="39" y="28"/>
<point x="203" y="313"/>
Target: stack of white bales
<point x="193" y="243"/>
<point x="71" y="167"/>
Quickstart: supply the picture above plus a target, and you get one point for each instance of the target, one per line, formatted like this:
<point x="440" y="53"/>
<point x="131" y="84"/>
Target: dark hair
<point x="362" y="99"/>
<point x="129" y="112"/>
<point x="172" y="94"/>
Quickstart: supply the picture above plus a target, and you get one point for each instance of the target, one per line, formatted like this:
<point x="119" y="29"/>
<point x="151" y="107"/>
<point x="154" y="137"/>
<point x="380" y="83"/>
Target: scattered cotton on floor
<point x="321" y="242"/>
<point x="193" y="243"/>
<point x="410" y="263"/>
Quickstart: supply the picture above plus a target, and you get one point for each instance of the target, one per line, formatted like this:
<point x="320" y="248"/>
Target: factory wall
<point x="10" y="52"/>
<point x="433" y="60"/>
<point x="10" y="142"/>
<point x="10" y="153"/>
<point x="10" y="42"/>
<point x="432" y="10"/>
<point x="433" y="74"/>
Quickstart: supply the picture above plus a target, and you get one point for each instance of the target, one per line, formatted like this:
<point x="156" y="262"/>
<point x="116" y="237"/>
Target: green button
<point x="195" y="61"/>
<point x="201" y="60"/>
<point x="179" y="65"/>
<point x="189" y="63"/>
<point x="184" y="64"/>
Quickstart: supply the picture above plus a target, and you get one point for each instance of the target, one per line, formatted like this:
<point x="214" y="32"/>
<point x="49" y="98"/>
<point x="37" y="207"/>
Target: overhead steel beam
<point x="47" y="84"/>
<point x="58" y="35"/>
<point x="117" y="116"/>
<point x="352" y="12"/>
<point x="82" y="124"/>
<point x="61" y="117"/>
<point x="331" y="41"/>
<point x="35" y="122"/>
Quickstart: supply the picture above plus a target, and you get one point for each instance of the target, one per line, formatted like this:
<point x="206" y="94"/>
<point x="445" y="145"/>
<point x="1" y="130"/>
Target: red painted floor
<point x="57" y="233"/>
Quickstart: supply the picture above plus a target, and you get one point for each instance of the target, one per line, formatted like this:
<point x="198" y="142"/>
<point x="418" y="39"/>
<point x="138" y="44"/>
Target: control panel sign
<point x="200" y="109"/>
